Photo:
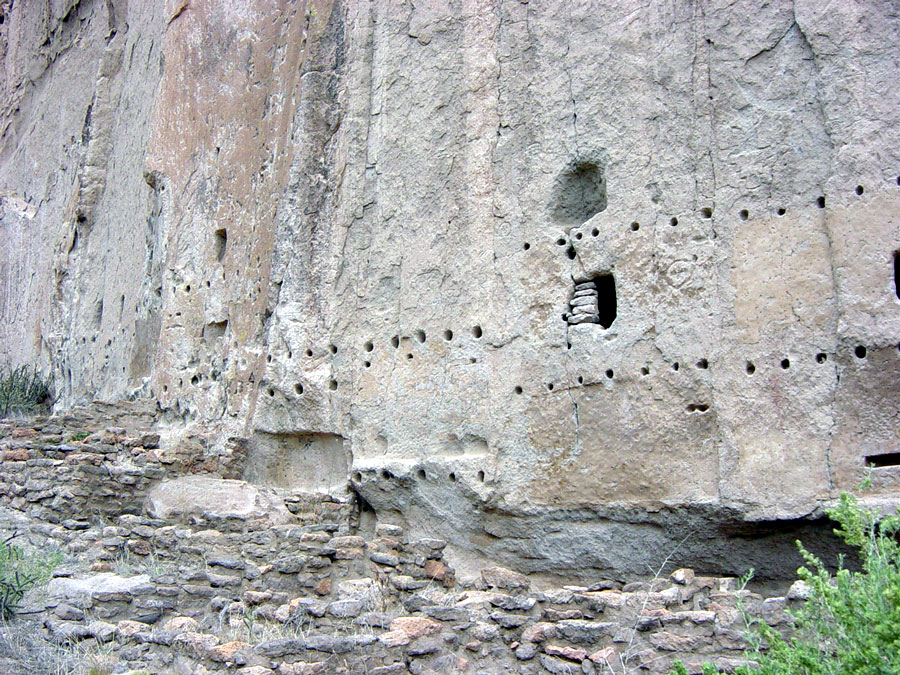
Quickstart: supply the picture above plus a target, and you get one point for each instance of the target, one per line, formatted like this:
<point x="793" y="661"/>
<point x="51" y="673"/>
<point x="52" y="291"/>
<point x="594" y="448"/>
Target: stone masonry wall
<point x="213" y="591"/>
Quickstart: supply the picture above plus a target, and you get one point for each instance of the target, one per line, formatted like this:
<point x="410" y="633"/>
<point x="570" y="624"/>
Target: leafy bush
<point x="23" y="390"/>
<point x="850" y="625"/>
<point x="19" y="572"/>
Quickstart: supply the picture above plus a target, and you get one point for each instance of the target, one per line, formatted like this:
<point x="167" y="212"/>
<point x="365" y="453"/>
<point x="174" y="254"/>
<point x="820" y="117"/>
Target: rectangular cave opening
<point x="883" y="460"/>
<point x="298" y="462"/>
<point x="897" y="273"/>
<point x="606" y="298"/>
<point x="220" y="243"/>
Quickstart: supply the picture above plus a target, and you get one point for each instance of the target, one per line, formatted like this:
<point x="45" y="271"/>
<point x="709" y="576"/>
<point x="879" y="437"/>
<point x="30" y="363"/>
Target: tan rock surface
<point x="347" y="237"/>
<point x="217" y="497"/>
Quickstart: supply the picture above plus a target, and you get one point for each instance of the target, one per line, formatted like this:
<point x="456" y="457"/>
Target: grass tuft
<point x="24" y="391"/>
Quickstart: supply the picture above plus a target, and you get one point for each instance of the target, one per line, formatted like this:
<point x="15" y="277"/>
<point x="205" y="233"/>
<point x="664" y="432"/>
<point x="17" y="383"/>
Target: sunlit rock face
<point x="562" y="282"/>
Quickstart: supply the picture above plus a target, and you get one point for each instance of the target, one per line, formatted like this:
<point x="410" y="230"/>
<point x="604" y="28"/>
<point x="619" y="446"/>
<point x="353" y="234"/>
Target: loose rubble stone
<point x="499" y="577"/>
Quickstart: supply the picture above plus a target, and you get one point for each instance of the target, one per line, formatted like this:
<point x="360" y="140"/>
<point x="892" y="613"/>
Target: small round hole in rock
<point x="357" y="477"/>
<point x="448" y="335"/>
<point x="860" y="189"/>
<point x="673" y="222"/>
<point x="578" y="236"/>
<point x="785" y="364"/>
<point x="820" y="202"/>
<point x="270" y="391"/>
<point x="298" y="389"/>
<point x="580" y="379"/>
<point x="367" y="364"/>
<point x="395" y="342"/>
<point x="703" y="364"/>
<point x="477" y="332"/>
<point x="595" y="232"/>
<point x="268" y="358"/>
<point x="645" y="370"/>
<point x="743" y="214"/>
<point x="526" y="246"/>
<point x="781" y="211"/>
<point x="610" y="373"/>
<point x="560" y="242"/>
<point x="635" y="226"/>
<point x="518" y="390"/>
<point x="750" y="368"/>
<point x="570" y="253"/>
<point x="333" y="385"/>
<point x="821" y="357"/>
<point x="420" y="336"/>
<point x="332" y="349"/>
<point x="409" y="356"/>
<point x="421" y="474"/>
<point x="452" y="477"/>
<point x="480" y="475"/>
<point x="860" y="352"/>
<point x="309" y="352"/>
<point x="549" y="386"/>
<point x="369" y="346"/>
<point x="386" y="474"/>
<point x="706" y="213"/>
<point x="676" y="366"/>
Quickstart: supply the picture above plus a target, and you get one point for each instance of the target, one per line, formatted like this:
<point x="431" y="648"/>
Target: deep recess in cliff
<point x="560" y="282"/>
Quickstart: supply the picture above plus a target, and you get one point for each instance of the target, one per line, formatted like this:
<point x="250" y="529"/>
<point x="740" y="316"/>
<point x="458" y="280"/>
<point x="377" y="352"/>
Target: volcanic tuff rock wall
<point x="564" y="280"/>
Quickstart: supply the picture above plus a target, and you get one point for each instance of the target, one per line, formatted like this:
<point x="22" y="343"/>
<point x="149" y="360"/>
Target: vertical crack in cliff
<point x="576" y="449"/>
<point x="568" y="69"/>
<point x="826" y="229"/>
<point x="496" y="42"/>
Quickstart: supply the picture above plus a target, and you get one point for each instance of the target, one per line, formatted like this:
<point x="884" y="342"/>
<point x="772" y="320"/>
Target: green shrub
<point x="24" y="391"/>
<point x="850" y="625"/>
<point x="20" y="572"/>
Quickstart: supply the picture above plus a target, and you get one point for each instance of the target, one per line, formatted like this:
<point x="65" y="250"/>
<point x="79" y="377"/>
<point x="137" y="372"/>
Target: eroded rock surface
<point x="562" y="283"/>
<point x="217" y="498"/>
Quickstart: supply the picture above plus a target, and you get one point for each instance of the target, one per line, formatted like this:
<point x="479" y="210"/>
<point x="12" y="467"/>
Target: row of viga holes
<point x="860" y="352"/>
<point x="419" y="336"/>
<point x="421" y="474"/>
<point x="477" y="332"/>
<point x="706" y="213"/>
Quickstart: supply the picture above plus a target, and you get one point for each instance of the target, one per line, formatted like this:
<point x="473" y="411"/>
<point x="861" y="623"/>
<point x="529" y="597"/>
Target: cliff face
<point x="565" y="280"/>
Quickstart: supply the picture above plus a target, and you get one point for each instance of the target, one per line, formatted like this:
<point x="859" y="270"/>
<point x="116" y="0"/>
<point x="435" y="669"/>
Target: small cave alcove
<point x="606" y="299"/>
<point x="579" y="193"/>
<point x="365" y="519"/>
<point x="897" y="274"/>
<point x="883" y="460"/>
<point x="305" y="462"/>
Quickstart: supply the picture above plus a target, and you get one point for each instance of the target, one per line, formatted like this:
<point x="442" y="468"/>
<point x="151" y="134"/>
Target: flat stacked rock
<point x="583" y="307"/>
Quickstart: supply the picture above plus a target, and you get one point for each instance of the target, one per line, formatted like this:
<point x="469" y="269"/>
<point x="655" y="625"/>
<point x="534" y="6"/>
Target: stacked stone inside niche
<point x="584" y="305"/>
<point x="594" y="301"/>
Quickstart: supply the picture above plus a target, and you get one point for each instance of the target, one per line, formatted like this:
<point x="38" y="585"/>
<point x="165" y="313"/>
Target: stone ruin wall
<point x="559" y="282"/>
<point x="171" y="569"/>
